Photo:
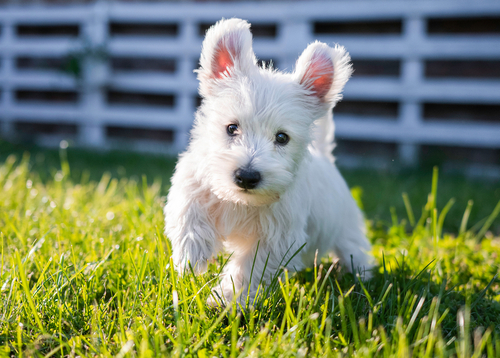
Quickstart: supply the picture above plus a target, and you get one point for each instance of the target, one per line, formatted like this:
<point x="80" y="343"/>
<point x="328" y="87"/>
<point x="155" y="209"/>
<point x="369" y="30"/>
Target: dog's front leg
<point x="250" y="273"/>
<point x="192" y="233"/>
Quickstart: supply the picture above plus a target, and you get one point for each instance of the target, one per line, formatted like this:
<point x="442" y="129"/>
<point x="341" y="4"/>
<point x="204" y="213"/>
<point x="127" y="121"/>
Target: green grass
<point x="85" y="271"/>
<point x="381" y="189"/>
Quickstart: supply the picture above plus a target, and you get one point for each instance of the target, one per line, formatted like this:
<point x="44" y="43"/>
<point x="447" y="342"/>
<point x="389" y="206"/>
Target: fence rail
<point x="100" y="94"/>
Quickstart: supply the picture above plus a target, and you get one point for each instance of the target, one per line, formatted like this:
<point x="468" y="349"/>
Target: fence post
<point x="295" y="33"/>
<point x="7" y="121"/>
<point x="95" y="75"/>
<point x="185" y="102"/>
<point x="412" y="72"/>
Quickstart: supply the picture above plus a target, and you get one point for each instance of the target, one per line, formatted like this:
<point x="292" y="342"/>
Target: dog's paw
<point x="185" y="265"/>
<point x="222" y="295"/>
<point x="216" y="299"/>
<point x="186" y="260"/>
<point x="367" y="272"/>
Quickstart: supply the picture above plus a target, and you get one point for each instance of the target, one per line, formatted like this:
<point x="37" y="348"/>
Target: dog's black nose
<point x="246" y="179"/>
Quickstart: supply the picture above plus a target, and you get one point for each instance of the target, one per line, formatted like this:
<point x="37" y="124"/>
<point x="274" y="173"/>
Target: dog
<point x="258" y="178"/>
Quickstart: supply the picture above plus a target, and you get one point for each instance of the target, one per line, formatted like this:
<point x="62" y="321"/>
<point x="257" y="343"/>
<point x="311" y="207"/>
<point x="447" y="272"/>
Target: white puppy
<point x="258" y="178"/>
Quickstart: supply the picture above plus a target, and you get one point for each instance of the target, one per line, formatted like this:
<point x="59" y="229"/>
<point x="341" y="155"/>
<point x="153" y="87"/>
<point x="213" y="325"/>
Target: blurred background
<point x="107" y="75"/>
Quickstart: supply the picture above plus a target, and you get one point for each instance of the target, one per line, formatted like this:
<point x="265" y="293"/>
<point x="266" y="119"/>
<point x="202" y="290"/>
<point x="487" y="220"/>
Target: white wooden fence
<point x="292" y="25"/>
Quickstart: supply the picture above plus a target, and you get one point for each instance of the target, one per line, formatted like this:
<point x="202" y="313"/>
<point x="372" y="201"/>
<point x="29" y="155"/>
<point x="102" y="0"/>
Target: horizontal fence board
<point x="41" y="80"/>
<point x="154" y="82"/>
<point x="153" y="47"/>
<point x="52" y="15"/>
<point x="430" y="133"/>
<point x="462" y="91"/>
<point x="391" y="46"/>
<point x="47" y="113"/>
<point x="469" y="91"/>
<point x="135" y="116"/>
<point x="304" y="9"/>
<point x="47" y="46"/>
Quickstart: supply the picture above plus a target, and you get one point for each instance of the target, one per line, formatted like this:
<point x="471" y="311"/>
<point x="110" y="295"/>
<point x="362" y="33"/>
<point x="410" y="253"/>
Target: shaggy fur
<point x="301" y="197"/>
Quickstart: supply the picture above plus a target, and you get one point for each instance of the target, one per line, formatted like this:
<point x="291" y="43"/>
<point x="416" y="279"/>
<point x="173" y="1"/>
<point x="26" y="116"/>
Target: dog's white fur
<point x="301" y="199"/>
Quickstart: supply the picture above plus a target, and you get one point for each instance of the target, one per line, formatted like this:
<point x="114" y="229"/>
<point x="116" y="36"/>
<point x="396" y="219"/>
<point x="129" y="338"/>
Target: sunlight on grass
<point x="85" y="271"/>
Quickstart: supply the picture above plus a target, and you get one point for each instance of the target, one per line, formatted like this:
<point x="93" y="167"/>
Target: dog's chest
<point x="239" y="226"/>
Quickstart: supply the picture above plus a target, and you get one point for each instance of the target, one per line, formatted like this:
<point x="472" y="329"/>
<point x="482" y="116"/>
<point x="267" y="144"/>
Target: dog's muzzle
<point x="247" y="179"/>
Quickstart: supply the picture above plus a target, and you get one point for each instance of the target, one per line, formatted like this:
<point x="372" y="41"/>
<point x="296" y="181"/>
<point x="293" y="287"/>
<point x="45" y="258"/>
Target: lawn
<point x="85" y="270"/>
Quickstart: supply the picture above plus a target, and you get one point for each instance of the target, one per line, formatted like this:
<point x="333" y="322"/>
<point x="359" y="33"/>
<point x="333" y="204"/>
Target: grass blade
<point x="465" y="218"/>
<point x="409" y="210"/>
<point x="488" y="222"/>
<point x="27" y="292"/>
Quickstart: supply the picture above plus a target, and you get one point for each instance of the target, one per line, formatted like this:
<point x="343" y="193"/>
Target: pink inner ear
<point x="320" y="71"/>
<point x="222" y="60"/>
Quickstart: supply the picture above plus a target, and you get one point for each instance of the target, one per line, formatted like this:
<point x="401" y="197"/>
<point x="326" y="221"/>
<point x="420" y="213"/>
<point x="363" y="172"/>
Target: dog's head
<point x="254" y="125"/>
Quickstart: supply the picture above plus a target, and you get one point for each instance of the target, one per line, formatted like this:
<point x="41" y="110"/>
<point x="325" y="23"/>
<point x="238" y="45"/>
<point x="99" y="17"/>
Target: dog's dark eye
<point x="231" y="129"/>
<point x="282" y="138"/>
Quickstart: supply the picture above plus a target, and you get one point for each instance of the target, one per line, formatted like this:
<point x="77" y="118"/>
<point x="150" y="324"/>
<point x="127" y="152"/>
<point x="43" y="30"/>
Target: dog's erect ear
<point x="324" y="71"/>
<point x="227" y="51"/>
